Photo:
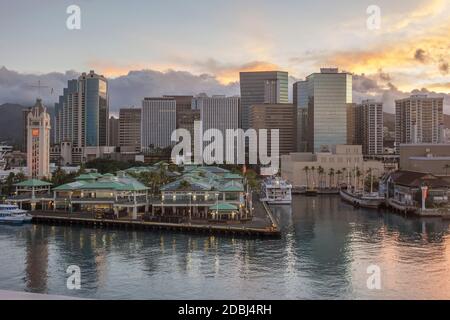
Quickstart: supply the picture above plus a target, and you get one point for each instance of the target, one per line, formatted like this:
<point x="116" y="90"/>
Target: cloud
<point x="420" y="55"/>
<point x="22" y="88"/>
<point x="125" y="90"/>
<point x="132" y="88"/>
<point x="228" y="72"/>
<point x="129" y="90"/>
<point x="443" y="66"/>
<point x="367" y="86"/>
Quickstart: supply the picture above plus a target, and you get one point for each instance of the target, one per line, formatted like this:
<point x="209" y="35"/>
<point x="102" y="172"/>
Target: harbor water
<point x="327" y="250"/>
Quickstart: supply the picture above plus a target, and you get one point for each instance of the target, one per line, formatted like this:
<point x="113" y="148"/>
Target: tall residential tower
<point x="419" y="119"/>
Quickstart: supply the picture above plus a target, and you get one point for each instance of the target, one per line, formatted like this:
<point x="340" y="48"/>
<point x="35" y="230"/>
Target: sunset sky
<point x="185" y="46"/>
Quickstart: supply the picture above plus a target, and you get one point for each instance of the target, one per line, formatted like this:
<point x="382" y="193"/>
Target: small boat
<point x="11" y="214"/>
<point x="275" y="190"/>
<point x="311" y="192"/>
<point x="360" y="199"/>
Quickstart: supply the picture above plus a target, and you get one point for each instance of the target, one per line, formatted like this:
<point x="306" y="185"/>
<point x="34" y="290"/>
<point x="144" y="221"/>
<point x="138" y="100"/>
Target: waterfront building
<point x="38" y="141"/>
<point x="130" y="130"/>
<point x="81" y="113"/>
<point x="261" y="87"/>
<point x="220" y="113"/>
<point x="407" y="190"/>
<point x="426" y="158"/>
<point x="115" y="196"/>
<point x="300" y="100"/>
<point x="419" y="119"/>
<point x="328" y="169"/>
<point x="276" y="116"/>
<point x="329" y="93"/>
<point x="113" y="139"/>
<point x="32" y="194"/>
<point x="205" y="193"/>
<point x="158" y="121"/>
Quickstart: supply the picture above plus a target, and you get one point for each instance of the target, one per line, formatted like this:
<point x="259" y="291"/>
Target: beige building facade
<point x="327" y="169"/>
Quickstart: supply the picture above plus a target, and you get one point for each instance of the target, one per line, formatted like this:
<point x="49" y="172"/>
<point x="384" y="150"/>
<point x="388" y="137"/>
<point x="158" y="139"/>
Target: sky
<point x="149" y="47"/>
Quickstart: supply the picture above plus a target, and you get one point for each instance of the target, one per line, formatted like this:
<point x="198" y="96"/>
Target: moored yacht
<point x="275" y="190"/>
<point x="11" y="214"/>
<point x="361" y="199"/>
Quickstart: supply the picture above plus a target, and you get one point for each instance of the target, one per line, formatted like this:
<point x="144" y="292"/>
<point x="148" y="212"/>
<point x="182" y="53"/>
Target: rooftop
<point x="33" y="183"/>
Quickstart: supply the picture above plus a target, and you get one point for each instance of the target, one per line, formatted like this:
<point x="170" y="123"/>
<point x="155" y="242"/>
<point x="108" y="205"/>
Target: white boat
<point x="276" y="191"/>
<point x="360" y="199"/>
<point x="11" y="214"/>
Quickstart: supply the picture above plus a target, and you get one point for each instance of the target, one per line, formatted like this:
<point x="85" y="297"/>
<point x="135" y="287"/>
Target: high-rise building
<point x="186" y="114"/>
<point x="419" y="119"/>
<point x="300" y="97"/>
<point x="276" y="116"/>
<point x="365" y="126"/>
<point x="372" y="127"/>
<point x="113" y="139"/>
<point x="329" y="93"/>
<point x="81" y="113"/>
<point x="353" y="125"/>
<point x="38" y="141"/>
<point x="218" y="112"/>
<point x="261" y="87"/>
<point x="158" y="121"/>
<point x="130" y="129"/>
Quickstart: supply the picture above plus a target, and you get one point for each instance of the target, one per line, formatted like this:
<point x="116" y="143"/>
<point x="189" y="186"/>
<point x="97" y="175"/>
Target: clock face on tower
<point x="35" y="132"/>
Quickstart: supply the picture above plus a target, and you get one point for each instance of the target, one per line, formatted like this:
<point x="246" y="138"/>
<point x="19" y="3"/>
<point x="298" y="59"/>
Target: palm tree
<point x="339" y="177"/>
<point x="331" y="177"/>
<point x="313" y="170"/>
<point x="320" y="172"/>
<point x="358" y="177"/>
<point x="306" y="169"/>
<point x="446" y="167"/>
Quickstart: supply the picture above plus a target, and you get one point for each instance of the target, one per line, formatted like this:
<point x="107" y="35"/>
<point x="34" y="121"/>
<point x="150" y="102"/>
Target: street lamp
<point x="190" y="206"/>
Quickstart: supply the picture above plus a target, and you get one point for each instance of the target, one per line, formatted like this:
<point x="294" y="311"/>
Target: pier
<point x="262" y="225"/>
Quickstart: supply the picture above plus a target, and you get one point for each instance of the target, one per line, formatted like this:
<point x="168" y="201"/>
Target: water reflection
<point x="324" y="253"/>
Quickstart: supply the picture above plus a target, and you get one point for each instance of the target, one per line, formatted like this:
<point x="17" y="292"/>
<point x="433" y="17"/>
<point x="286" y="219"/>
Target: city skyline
<point x="409" y="52"/>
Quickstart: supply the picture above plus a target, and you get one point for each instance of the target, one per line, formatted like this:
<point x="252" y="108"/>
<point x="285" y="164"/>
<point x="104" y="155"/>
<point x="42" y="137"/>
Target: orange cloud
<point x="401" y="57"/>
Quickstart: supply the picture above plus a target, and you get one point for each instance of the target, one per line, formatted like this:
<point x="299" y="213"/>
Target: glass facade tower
<point x="261" y="87"/>
<point x="81" y="114"/>
<point x="329" y="93"/>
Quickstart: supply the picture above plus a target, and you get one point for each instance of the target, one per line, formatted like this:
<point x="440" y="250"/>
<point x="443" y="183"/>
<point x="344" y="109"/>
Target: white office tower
<point x="220" y="113"/>
<point x="158" y="121"/>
